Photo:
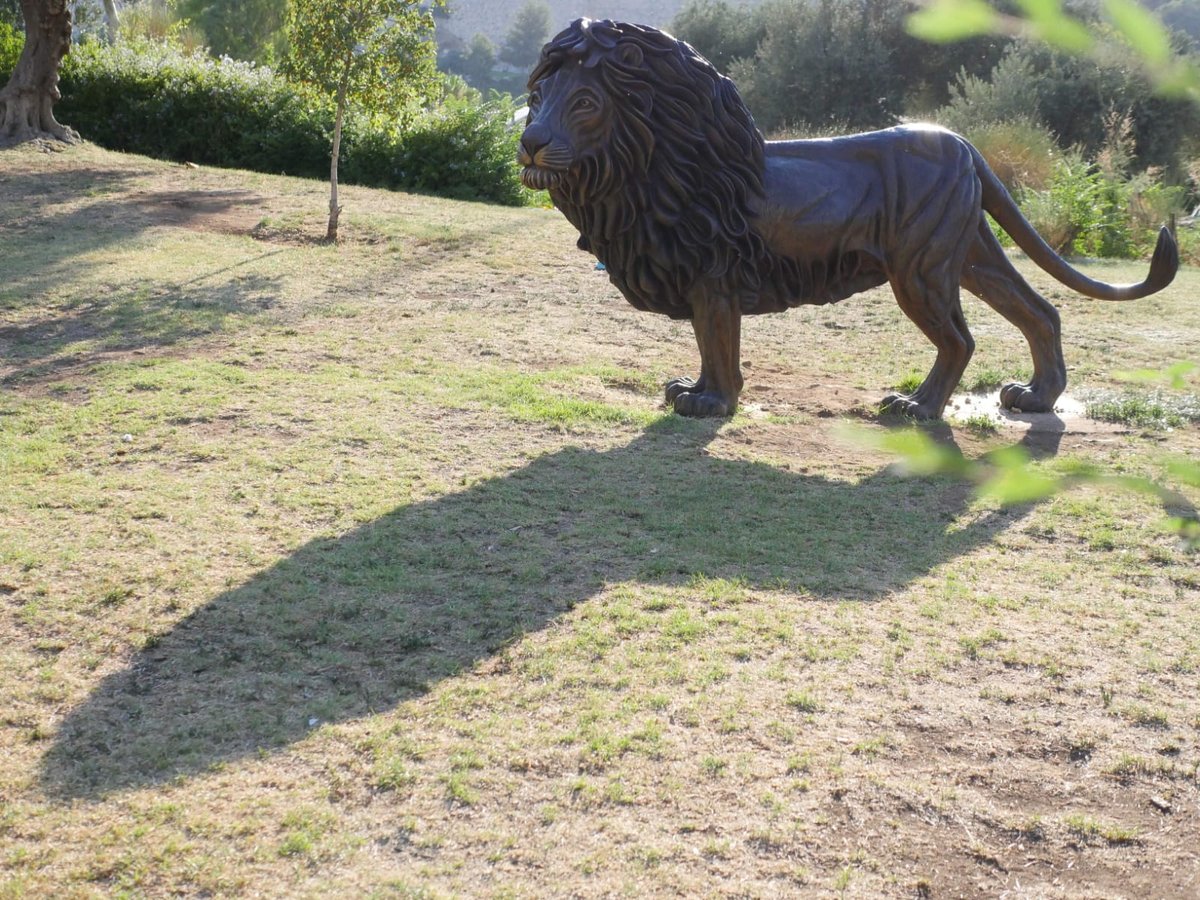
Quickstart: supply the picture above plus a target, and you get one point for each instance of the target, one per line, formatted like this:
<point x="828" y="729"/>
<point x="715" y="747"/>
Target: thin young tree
<point x="27" y="101"/>
<point x="376" y="55"/>
<point x="112" y="22"/>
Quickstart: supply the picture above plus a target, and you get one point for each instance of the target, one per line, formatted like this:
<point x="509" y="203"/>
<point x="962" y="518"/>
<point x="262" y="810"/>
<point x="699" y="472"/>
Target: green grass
<point x="803" y="701"/>
<point x="1132" y="765"/>
<point x="910" y="382"/>
<point x="984" y="378"/>
<point x="1085" y="826"/>
<point x="981" y="423"/>
<point x="1153" y="411"/>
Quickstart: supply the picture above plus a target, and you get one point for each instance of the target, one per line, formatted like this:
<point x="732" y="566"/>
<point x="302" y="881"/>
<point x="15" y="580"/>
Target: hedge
<point x="152" y="99"/>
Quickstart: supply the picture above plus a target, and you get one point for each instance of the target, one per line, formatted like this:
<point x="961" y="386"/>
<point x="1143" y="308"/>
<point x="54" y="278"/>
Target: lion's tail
<point x="996" y="200"/>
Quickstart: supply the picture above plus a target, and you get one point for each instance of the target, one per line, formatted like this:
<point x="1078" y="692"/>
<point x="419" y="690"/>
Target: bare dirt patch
<point x="217" y="211"/>
<point x="1069" y="416"/>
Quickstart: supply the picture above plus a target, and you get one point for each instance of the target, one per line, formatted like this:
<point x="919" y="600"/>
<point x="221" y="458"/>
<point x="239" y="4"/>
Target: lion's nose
<point x="534" y="139"/>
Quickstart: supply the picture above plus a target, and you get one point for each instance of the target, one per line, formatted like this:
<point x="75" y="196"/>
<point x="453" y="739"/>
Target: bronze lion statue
<point x="652" y="155"/>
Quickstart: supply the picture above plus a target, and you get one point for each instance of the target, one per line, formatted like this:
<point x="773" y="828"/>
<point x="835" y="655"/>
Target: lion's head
<point x="650" y="152"/>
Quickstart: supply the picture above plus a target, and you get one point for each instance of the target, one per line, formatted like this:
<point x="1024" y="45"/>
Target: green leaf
<point x="1009" y="458"/>
<point x="1185" y="470"/>
<point x="1048" y="22"/>
<point x="1180" y="80"/>
<point x="926" y="457"/>
<point x="1185" y="528"/>
<point x="1065" y="33"/>
<point x="953" y="20"/>
<point x="1018" y="485"/>
<point x="1130" y="483"/>
<point x="1142" y="29"/>
<point x="1011" y="480"/>
<point x="919" y="454"/>
<point x="1178" y="373"/>
<point x="1175" y="375"/>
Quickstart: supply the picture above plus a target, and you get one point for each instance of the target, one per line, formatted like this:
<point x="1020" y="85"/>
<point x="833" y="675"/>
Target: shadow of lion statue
<point x="652" y="155"/>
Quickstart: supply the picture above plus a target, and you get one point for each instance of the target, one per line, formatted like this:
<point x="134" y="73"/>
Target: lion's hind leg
<point x="992" y="277"/>
<point x="934" y="306"/>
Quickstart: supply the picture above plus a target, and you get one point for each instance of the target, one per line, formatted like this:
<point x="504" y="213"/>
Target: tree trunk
<point x="112" y="22"/>
<point x="331" y="233"/>
<point x="26" y="101"/>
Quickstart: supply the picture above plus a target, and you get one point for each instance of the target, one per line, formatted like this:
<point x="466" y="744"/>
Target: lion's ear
<point x="631" y="54"/>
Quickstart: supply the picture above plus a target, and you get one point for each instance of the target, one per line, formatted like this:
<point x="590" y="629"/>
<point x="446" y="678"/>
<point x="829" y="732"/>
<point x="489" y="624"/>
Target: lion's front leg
<point x="718" y="326"/>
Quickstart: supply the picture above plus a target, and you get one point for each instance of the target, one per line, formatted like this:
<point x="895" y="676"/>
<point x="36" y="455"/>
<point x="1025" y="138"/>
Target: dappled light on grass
<point x="350" y="626"/>
<point x="87" y="223"/>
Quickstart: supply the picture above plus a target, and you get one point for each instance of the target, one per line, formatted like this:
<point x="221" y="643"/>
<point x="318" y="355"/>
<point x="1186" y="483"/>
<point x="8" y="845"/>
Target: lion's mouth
<point x="540" y="179"/>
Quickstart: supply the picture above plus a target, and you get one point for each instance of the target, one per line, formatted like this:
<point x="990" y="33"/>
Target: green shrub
<point x="1063" y="207"/>
<point x="463" y="149"/>
<point x="153" y="99"/>
<point x="1075" y="97"/>
<point x="1189" y="245"/>
<point x="1091" y="212"/>
<point x="1077" y="94"/>
<point x="11" y="42"/>
<point x="821" y="63"/>
<point x="721" y="32"/>
<point x="1021" y="153"/>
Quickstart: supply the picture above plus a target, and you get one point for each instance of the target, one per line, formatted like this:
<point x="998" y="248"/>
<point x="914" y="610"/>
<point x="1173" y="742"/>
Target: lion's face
<point x="570" y="118"/>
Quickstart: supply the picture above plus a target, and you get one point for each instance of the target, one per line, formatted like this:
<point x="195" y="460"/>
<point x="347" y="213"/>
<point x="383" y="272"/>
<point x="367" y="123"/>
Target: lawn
<point x="382" y="570"/>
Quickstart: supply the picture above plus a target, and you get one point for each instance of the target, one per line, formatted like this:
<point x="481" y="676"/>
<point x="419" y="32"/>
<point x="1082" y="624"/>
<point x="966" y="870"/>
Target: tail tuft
<point x="1165" y="262"/>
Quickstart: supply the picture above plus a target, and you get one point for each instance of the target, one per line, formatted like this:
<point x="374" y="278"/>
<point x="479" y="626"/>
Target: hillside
<point x="381" y="570"/>
<point x="494" y="17"/>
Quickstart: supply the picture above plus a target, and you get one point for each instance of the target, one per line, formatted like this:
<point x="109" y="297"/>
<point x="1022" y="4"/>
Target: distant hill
<point x="494" y="17"/>
<point x="1182" y="15"/>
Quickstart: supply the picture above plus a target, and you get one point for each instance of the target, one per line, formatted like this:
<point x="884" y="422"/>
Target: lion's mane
<point x="669" y="199"/>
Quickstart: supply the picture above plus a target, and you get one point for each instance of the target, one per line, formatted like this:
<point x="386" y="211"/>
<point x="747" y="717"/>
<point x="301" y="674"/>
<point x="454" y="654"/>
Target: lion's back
<point x="844" y="213"/>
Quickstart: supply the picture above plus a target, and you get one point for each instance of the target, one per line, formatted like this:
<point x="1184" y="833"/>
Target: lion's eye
<point x="584" y="104"/>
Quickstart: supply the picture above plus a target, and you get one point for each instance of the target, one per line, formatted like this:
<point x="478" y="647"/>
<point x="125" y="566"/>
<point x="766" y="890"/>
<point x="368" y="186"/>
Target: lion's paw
<point x="702" y="405"/>
<point x="1024" y="398"/>
<point x="904" y="405"/>
<point x="684" y="385"/>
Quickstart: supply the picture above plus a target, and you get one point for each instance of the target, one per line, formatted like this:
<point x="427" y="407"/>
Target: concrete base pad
<point x="1068" y="416"/>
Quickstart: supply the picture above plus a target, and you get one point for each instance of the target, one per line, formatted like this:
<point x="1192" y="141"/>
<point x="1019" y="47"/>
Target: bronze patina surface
<point x="651" y="154"/>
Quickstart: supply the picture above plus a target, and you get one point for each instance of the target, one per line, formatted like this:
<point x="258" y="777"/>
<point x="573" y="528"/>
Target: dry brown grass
<point x="379" y="570"/>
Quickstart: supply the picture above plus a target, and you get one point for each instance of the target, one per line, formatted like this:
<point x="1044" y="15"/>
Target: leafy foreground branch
<point x="942" y="21"/>
<point x="1007" y="475"/>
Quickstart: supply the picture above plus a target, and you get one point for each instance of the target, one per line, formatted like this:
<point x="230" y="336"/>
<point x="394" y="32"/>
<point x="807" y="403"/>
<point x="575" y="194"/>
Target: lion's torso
<point x="836" y="217"/>
<point x="843" y="215"/>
